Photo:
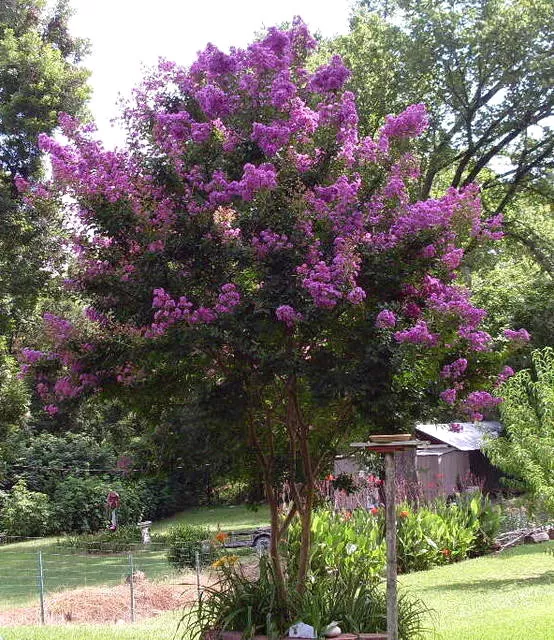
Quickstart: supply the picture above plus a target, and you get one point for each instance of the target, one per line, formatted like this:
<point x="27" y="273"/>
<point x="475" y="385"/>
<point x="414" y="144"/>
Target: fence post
<point x="132" y="586"/>
<point x="41" y="586"/>
<point x="197" y="562"/>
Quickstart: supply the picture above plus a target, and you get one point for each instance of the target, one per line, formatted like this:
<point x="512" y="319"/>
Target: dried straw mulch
<point x="105" y="604"/>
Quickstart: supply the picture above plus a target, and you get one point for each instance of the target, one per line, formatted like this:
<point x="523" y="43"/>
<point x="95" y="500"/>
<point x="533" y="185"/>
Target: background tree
<point x="526" y="452"/>
<point x="483" y="69"/>
<point x="39" y="78"/>
<point x="250" y="251"/>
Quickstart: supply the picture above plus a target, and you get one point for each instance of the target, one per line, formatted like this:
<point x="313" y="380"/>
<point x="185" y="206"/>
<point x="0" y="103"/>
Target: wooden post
<point x="392" y="595"/>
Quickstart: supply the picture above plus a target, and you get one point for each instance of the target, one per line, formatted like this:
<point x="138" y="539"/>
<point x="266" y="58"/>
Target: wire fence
<point x="48" y="583"/>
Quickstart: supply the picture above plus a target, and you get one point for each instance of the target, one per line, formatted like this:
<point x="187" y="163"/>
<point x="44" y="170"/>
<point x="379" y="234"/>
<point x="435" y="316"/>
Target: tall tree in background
<point x="39" y="78"/>
<point x="484" y="69"/>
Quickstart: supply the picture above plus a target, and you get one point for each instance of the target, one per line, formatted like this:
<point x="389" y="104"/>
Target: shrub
<point x="240" y="602"/>
<point x="184" y="541"/>
<point x="25" y="513"/>
<point x="124" y="538"/>
<point x="80" y="505"/>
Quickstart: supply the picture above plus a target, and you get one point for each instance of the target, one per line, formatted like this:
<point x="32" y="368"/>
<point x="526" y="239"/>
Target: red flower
<point x="446" y="552"/>
<point x="374" y="510"/>
<point x="347" y="515"/>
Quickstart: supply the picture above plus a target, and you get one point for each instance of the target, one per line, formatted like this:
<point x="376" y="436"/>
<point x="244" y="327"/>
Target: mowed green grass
<point x="66" y="570"/>
<point x="227" y="518"/>
<point x="162" y="627"/>
<point x="506" y="596"/>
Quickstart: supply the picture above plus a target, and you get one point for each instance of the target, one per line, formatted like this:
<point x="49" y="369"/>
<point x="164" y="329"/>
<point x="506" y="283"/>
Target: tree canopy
<point x="252" y="252"/>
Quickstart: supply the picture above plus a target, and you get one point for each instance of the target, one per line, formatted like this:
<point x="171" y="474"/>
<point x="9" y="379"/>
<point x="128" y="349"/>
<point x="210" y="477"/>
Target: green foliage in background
<point x="25" y="513"/>
<point x="525" y="451"/>
<point x="185" y="541"/>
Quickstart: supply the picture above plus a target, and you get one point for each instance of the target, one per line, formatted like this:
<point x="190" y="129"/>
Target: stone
<point x="551" y="534"/>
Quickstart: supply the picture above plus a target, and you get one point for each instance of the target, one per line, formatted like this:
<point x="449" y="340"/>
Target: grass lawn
<point x="162" y="627"/>
<point x="509" y="596"/>
<point x="65" y="570"/>
<point x="499" y="597"/>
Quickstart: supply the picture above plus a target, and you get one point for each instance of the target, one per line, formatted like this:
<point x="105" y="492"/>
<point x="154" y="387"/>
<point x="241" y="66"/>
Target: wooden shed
<point x="453" y="460"/>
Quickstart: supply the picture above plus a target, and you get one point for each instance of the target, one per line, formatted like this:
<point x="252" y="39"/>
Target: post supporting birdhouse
<point x="389" y="445"/>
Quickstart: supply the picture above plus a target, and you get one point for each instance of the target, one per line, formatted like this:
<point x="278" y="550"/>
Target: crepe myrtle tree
<point x="250" y="249"/>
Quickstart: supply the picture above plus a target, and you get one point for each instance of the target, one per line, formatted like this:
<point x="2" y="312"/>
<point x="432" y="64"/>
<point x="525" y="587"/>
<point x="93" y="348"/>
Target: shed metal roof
<point x="470" y="438"/>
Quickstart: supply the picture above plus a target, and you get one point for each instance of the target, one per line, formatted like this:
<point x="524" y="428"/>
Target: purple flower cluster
<point x="409" y="124"/>
<point x="267" y="241"/>
<point x="455" y="369"/>
<point x="521" y="336"/>
<point x="251" y="142"/>
<point x="385" y="319"/>
<point x="418" y="334"/>
<point x="478" y="401"/>
<point x="285" y="313"/>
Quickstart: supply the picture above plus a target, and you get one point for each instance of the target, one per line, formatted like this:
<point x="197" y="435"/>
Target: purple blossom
<point x="418" y="334"/>
<point x="330" y="77"/>
<point x="270" y="138"/>
<point x="409" y="124"/>
<point x="385" y="319"/>
<point x="449" y="396"/>
<point x="479" y="400"/>
<point x="520" y="336"/>
<point x="456" y="427"/>
<point x="285" y="313"/>
<point x="215" y="102"/>
<point x="507" y="372"/>
<point x="454" y="370"/>
<point x="356" y="295"/>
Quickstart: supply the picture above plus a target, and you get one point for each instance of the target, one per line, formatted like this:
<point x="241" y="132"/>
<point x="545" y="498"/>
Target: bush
<point x="79" y="504"/>
<point x="184" y="541"/>
<point x="124" y="538"/>
<point x="25" y="513"/>
<point x="239" y="602"/>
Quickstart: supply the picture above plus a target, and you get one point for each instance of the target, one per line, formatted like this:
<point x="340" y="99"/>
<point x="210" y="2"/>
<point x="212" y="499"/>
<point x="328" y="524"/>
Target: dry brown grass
<point x="107" y="604"/>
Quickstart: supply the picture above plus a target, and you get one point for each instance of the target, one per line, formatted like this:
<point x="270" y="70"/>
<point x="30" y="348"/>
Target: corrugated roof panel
<point x="470" y="438"/>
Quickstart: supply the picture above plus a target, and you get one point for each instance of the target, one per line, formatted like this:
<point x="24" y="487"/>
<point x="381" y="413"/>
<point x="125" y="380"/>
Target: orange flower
<point x="404" y="514"/>
<point x="221" y="536"/>
<point x="347" y="515"/>
<point x="446" y="552"/>
<point x="374" y="510"/>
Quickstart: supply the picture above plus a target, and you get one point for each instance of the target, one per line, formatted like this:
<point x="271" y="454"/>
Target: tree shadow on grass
<point x="488" y="584"/>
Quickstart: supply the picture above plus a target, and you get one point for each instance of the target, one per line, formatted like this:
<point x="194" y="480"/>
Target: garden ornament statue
<point x="145" y="531"/>
<point x="302" y="630"/>
<point x="113" y="501"/>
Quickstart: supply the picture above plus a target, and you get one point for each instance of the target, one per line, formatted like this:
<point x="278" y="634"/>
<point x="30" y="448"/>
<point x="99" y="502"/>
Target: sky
<point x="125" y="35"/>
